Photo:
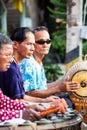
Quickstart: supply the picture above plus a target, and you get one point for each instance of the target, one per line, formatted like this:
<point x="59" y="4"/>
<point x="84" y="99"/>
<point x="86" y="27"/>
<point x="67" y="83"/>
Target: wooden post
<point x="33" y="11"/>
<point x="74" y="23"/>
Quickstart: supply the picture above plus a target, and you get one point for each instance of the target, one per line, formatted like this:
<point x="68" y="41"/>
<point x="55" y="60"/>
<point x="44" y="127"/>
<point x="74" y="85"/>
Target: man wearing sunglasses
<point x="32" y="70"/>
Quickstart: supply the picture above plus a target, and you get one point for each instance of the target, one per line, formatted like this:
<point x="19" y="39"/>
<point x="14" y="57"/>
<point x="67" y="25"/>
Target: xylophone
<point x="70" y="120"/>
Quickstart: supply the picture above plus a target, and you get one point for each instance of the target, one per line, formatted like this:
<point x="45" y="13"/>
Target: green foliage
<point x="59" y="35"/>
<point x="58" y="46"/>
<point x="57" y="51"/>
<point x="56" y="13"/>
<point x="53" y="72"/>
<point x="84" y="48"/>
<point x="60" y="9"/>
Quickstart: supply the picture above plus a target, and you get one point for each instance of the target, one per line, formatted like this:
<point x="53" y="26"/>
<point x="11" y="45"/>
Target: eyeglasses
<point x="7" y="56"/>
<point x="41" y="41"/>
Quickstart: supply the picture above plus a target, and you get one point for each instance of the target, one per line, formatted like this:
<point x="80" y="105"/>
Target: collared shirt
<point x="33" y="75"/>
<point x="9" y="108"/>
<point x="11" y="82"/>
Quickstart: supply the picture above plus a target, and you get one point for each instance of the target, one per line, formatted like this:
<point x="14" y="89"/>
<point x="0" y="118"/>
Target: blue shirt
<point x="11" y="82"/>
<point x="33" y="75"/>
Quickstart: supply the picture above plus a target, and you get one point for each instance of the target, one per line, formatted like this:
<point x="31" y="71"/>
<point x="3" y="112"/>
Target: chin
<point x="5" y="69"/>
<point x="28" y="57"/>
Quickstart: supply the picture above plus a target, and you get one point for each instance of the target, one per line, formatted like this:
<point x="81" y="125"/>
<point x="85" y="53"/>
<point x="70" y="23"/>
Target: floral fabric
<point x="33" y="75"/>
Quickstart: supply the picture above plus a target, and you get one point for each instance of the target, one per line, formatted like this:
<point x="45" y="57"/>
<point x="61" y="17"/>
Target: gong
<point x="78" y="73"/>
<point x="81" y="78"/>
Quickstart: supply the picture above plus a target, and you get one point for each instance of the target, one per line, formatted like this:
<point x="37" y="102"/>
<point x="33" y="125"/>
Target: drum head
<point x="78" y="73"/>
<point x="81" y="78"/>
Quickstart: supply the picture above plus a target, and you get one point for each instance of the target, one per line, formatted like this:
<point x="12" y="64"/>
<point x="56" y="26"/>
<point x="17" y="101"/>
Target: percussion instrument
<point x="71" y="120"/>
<point x="48" y="111"/>
<point x="78" y="73"/>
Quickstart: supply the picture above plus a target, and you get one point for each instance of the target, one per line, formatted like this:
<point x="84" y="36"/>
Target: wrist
<point x="44" y="100"/>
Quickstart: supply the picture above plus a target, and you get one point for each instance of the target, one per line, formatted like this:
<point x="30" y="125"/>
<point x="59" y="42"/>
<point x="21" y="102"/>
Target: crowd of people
<point x="22" y="75"/>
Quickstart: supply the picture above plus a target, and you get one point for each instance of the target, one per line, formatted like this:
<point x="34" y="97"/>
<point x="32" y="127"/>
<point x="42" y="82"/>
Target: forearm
<point x="43" y="93"/>
<point x="33" y="99"/>
<point x="54" y="83"/>
<point x="52" y="88"/>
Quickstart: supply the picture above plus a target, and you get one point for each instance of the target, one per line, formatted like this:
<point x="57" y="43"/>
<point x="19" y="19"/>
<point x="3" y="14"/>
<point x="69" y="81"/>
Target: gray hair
<point x="4" y="39"/>
<point x="40" y="28"/>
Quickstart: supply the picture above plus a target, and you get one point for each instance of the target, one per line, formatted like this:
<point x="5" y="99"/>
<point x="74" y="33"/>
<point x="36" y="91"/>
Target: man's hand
<point x="68" y="86"/>
<point x="51" y="99"/>
<point x="61" y="104"/>
<point x="32" y="112"/>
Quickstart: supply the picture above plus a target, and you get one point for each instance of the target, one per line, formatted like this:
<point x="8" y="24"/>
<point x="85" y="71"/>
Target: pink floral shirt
<point x="9" y="108"/>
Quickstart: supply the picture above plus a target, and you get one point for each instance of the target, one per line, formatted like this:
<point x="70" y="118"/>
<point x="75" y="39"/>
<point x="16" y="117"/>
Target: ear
<point x="15" y="44"/>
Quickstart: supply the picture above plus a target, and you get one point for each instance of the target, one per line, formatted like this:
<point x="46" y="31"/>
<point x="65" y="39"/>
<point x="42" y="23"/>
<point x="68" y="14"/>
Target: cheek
<point x="2" y="61"/>
<point x="38" y="48"/>
<point x="2" y="64"/>
<point x="25" y="48"/>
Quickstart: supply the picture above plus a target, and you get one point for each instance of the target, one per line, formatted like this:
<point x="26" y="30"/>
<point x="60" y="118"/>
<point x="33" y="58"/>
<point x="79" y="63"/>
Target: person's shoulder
<point x="27" y="61"/>
<point x="13" y="67"/>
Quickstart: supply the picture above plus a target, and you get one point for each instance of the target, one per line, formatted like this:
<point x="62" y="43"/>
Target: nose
<point x="11" y="59"/>
<point x="32" y="47"/>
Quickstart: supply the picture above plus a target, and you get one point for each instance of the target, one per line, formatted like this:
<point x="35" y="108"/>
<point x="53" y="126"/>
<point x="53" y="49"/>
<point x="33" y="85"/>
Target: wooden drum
<point x="78" y="73"/>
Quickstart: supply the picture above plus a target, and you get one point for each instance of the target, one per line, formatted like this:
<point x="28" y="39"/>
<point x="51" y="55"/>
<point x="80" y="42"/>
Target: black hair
<point x="4" y="39"/>
<point x="19" y="34"/>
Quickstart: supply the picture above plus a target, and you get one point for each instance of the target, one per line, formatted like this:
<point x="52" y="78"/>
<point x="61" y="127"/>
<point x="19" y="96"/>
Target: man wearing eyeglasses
<point x="35" y="82"/>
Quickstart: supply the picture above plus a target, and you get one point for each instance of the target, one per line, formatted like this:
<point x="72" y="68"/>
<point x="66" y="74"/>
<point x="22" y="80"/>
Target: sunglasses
<point x="41" y="41"/>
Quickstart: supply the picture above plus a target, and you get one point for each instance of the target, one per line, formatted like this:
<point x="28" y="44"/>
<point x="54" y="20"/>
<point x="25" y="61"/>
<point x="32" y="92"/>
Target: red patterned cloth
<point x="9" y="108"/>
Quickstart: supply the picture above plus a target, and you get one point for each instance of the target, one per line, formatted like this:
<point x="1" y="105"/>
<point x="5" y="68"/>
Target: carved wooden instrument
<point x="78" y="73"/>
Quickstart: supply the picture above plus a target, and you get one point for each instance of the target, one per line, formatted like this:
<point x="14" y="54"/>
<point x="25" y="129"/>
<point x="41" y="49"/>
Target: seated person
<point x="32" y="70"/>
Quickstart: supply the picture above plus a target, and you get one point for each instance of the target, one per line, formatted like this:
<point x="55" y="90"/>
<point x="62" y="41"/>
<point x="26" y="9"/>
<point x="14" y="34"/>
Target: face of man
<point x="6" y="53"/>
<point x="42" y="42"/>
<point x="25" y="49"/>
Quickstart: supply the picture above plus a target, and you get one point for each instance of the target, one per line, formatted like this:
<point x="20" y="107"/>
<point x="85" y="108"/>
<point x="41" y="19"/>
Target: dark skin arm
<point x="55" y="87"/>
<point x="42" y="93"/>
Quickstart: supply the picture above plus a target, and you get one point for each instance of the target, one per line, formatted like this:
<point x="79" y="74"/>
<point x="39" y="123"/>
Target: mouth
<point x="45" y="49"/>
<point x="30" y="54"/>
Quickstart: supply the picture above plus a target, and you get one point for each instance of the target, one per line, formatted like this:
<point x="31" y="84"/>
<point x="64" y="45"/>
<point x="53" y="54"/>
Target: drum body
<point x="80" y="105"/>
<point x="78" y="73"/>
